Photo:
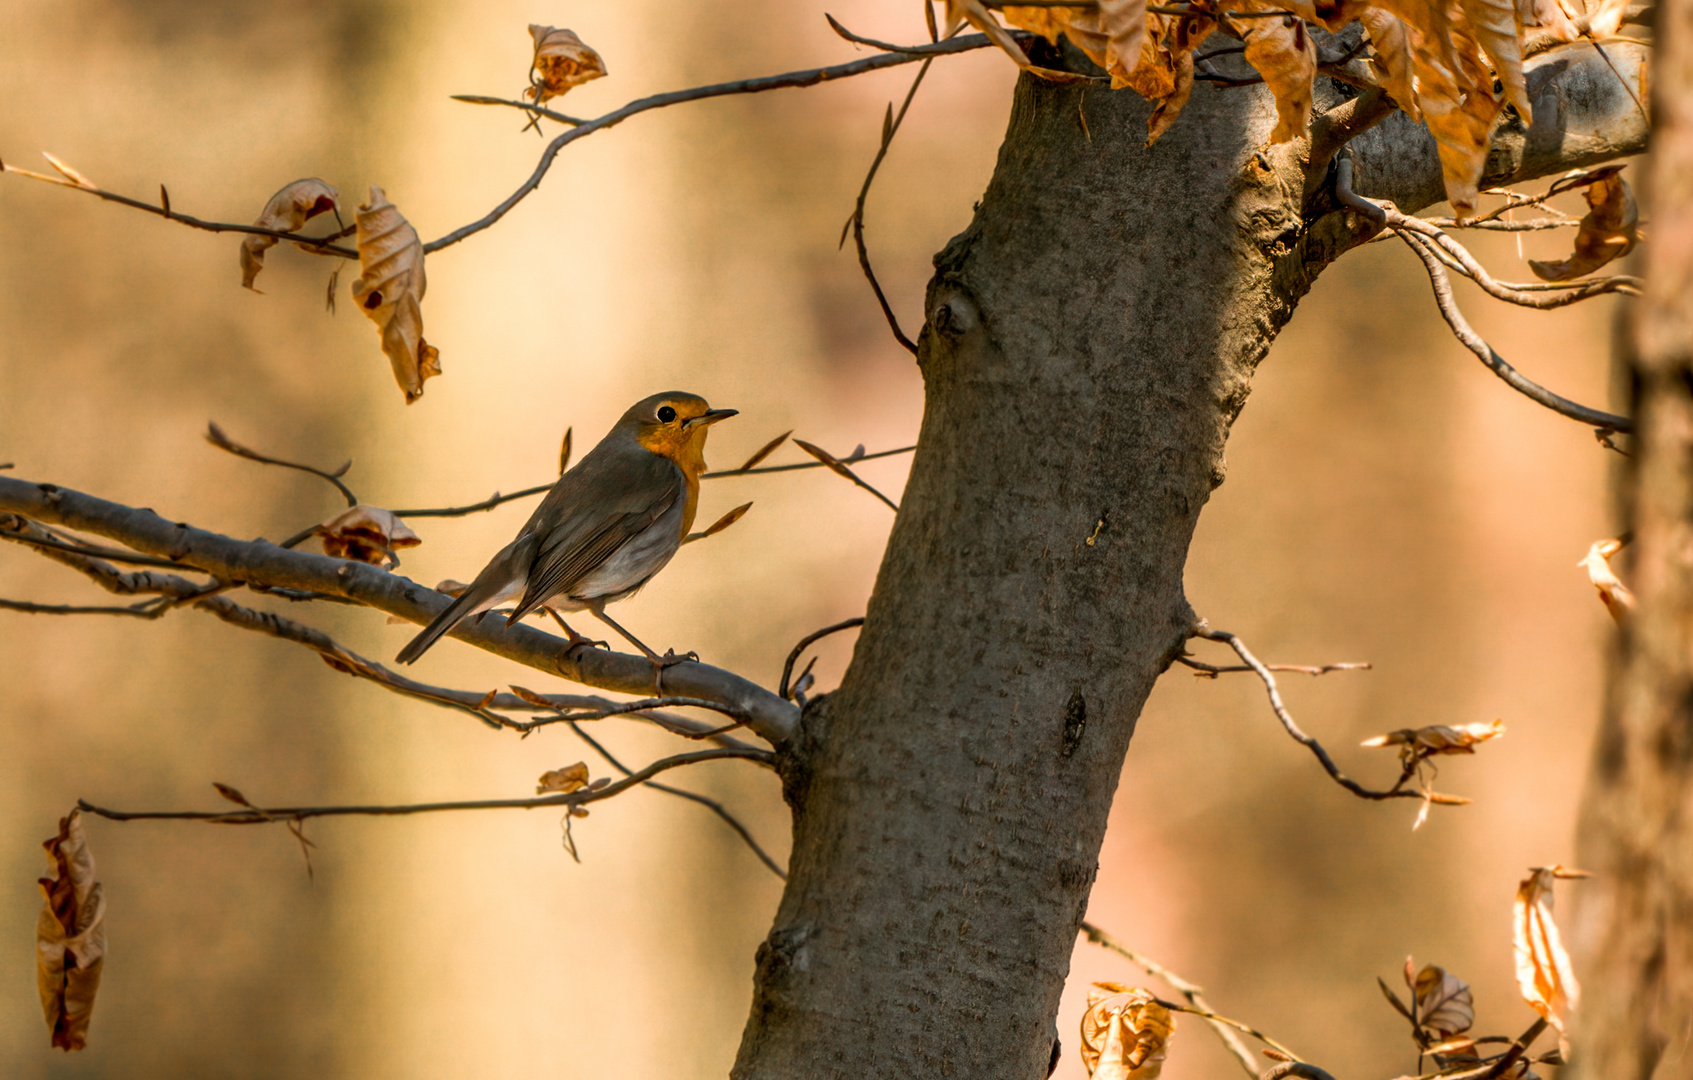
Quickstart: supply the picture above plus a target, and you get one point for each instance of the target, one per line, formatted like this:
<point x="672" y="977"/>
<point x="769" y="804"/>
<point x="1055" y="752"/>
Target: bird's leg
<point x="669" y="659"/>
<point x="574" y="638"/>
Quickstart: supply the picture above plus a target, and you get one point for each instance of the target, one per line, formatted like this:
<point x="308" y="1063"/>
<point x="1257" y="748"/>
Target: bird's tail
<point x="460" y="608"/>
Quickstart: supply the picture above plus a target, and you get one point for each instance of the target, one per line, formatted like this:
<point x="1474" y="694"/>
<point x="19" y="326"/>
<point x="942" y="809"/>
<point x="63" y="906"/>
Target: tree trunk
<point x="1089" y="340"/>
<point x="1636" y="918"/>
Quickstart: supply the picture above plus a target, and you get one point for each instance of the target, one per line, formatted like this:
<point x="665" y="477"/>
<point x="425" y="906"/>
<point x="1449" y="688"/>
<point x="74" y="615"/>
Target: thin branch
<point x="1458" y="257"/>
<point x="1202" y="670"/>
<point x="627" y="708"/>
<point x="1466" y="335"/>
<point x="806" y="641"/>
<point x="259" y="562"/>
<point x="475" y="508"/>
<point x="217" y="438"/>
<point x="270" y="815"/>
<point x="851" y="459"/>
<point x="526" y="106"/>
<point x="809" y="77"/>
<point x="147" y="609"/>
<point x="712" y="804"/>
<point x="1518" y="1048"/>
<point x="101" y="572"/>
<point x="839" y="468"/>
<point x="855" y="223"/>
<point x="1397" y="791"/>
<point x="1236" y="1024"/>
<point x="49" y="543"/>
<point x="320" y="244"/>
<point x="1304" y="1070"/>
<point x="1195" y="995"/>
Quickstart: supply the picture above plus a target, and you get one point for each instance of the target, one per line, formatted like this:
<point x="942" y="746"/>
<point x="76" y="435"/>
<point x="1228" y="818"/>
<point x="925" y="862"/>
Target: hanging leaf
<point x="1283" y="53"/>
<point x="390" y="291"/>
<point x="1125" y="1033"/>
<point x="1439" y="738"/>
<point x="1544" y="974"/>
<point x="287" y="211"/>
<point x="1391" y="63"/>
<point x="70" y="936"/>
<point x="561" y="62"/>
<point x="1616" y="597"/>
<point x="1499" y="34"/>
<point x="1550" y="14"/>
<point x="367" y="534"/>
<point x="563" y="781"/>
<point x="1609" y="230"/>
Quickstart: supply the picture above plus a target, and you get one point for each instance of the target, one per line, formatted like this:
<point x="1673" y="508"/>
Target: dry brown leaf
<point x="1455" y="94"/>
<point x="564" y="781"/>
<point x="1445" y="1006"/>
<point x="1616" y="596"/>
<point x="1124" y="25"/>
<point x="1125" y="1033"/>
<point x="286" y="211"/>
<point x="1439" y="738"/>
<point x="367" y="534"/>
<point x="720" y="524"/>
<point x="958" y="12"/>
<point x="1607" y="20"/>
<point x="1544" y="974"/>
<point x="1550" y="14"/>
<point x="1283" y="53"/>
<point x="390" y="288"/>
<point x="1392" y="61"/>
<point x="1499" y="34"/>
<point x="561" y="62"/>
<point x="1609" y="230"/>
<point x="70" y="936"/>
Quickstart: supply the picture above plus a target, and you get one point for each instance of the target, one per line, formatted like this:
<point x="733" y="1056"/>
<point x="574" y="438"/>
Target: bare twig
<point x="147" y="609"/>
<point x="321" y="244"/>
<point x="712" y="804"/>
<point x="810" y="77"/>
<point x="526" y="106"/>
<point x="1457" y="257"/>
<point x="804" y="642"/>
<point x="1195" y="994"/>
<point x="270" y="815"/>
<point x="217" y="438"/>
<point x="1236" y="1024"/>
<point x="1397" y="791"/>
<point x="1304" y="1070"/>
<point x="851" y="459"/>
<point x="855" y="223"/>
<point x="839" y="468"/>
<point x="1424" y="248"/>
<point x="1202" y="670"/>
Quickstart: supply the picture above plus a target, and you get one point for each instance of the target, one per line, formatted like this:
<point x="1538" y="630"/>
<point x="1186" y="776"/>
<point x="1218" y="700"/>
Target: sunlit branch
<point x="320" y="244"/>
<point x="711" y="804"/>
<point x="1457" y="257"/>
<point x="217" y="438"/>
<point x="1202" y="670"/>
<point x="1236" y="1024"/>
<point x="261" y="563"/>
<point x="1397" y="791"/>
<point x="271" y="815"/>
<point x="1195" y="994"/>
<point x="146" y="609"/>
<point x="1466" y="335"/>
<point x="809" y="77"/>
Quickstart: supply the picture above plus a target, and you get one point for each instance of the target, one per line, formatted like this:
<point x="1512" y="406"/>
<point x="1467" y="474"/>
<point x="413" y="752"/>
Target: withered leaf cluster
<point x="1415" y="743"/>
<point x="562" y="61"/>
<point x="287" y="211"/>
<point x="1609" y="229"/>
<point x="368" y="534"/>
<point x="70" y="936"/>
<point x="1436" y="59"/>
<point x="1125" y="1033"/>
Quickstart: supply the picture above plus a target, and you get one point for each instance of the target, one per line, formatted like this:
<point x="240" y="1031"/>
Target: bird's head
<point x="674" y="425"/>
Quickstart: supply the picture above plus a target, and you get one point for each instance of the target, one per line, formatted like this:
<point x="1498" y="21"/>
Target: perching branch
<point x="271" y="815"/>
<point x="1195" y="995"/>
<point x="1397" y="791"/>
<point x="261" y="563"/>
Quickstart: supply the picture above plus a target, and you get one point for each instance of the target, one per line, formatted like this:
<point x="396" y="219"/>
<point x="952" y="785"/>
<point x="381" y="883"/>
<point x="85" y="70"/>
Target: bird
<point x="606" y="527"/>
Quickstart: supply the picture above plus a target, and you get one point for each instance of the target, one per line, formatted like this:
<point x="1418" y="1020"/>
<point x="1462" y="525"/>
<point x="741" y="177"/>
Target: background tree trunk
<point x="1636" y="917"/>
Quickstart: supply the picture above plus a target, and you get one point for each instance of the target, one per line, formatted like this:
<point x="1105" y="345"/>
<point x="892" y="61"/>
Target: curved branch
<point x="263" y="563"/>
<point x="699" y="93"/>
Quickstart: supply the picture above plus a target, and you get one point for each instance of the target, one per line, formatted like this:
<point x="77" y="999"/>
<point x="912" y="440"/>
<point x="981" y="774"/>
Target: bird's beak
<point x="711" y="416"/>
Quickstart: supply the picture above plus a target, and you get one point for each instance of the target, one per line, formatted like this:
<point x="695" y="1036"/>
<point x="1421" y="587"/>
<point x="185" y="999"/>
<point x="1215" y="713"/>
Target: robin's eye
<point x="666" y="414"/>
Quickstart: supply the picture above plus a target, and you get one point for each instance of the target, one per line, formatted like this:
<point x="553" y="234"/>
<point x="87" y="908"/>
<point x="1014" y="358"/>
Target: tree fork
<point x="1089" y="339"/>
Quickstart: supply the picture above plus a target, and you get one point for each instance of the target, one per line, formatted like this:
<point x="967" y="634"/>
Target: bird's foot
<point x="576" y="640"/>
<point x="670" y="659"/>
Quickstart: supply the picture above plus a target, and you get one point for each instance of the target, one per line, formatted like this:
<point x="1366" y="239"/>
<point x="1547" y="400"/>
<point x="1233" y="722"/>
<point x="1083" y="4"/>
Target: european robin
<point x="607" y="526"/>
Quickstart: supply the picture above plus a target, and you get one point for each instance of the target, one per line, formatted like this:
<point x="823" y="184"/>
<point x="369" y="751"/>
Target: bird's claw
<point x="671" y="659"/>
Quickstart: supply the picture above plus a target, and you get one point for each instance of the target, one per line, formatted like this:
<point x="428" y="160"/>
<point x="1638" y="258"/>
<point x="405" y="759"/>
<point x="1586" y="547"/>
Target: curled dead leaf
<point x="367" y="534"/>
<point x="1551" y="14"/>
<point x="1544" y="973"/>
<point x="1439" y="738"/>
<point x="1496" y="29"/>
<point x="287" y="210"/>
<point x="563" y="781"/>
<point x="1609" y="230"/>
<point x="1283" y="53"/>
<point x="1445" y="1006"/>
<point x="390" y="288"/>
<point x="70" y="936"/>
<point x="1125" y="1033"/>
<point x="1616" y="596"/>
<point x="1391" y="63"/>
<point x="720" y="524"/>
<point x="561" y="61"/>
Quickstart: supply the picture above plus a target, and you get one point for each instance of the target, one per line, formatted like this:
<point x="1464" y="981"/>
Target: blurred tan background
<point x="1387" y="501"/>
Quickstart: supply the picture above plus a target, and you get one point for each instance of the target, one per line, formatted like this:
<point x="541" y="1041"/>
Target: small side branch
<point x="1397" y="791"/>
<point x="783" y="690"/>
<point x="217" y="438"/>
<point x="272" y="815"/>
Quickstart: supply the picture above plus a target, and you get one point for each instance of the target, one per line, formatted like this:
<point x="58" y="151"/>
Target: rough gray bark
<point x="1089" y="340"/>
<point x="1635" y="927"/>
